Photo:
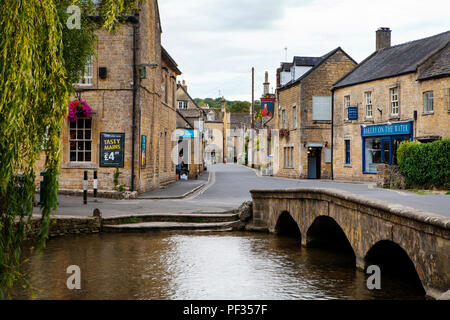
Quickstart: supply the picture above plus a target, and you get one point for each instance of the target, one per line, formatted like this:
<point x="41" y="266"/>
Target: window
<point x="447" y="98"/>
<point x="80" y="140"/>
<point x="86" y="78"/>
<point x="182" y="104"/>
<point x="368" y="100"/>
<point x="347" y="152"/>
<point x="322" y="108"/>
<point x="283" y="119"/>
<point x="294" y="117"/>
<point x="289" y="157"/>
<point x="394" y="102"/>
<point x="428" y="102"/>
<point x="373" y="154"/>
<point x="346" y="105"/>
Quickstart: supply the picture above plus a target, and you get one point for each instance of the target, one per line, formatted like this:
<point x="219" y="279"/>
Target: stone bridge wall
<point x="424" y="236"/>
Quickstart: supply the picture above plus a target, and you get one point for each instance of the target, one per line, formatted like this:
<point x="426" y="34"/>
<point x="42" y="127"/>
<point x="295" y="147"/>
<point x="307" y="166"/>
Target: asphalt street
<point x="229" y="187"/>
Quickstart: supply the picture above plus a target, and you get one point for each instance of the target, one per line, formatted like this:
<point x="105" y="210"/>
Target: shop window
<point x="395" y="105"/>
<point x="373" y="154"/>
<point x="369" y="108"/>
<point x="346" y="105"/>
<point x="80" y="140"/>
<point x="428" y="102"/>
<point x="347" y="152"/>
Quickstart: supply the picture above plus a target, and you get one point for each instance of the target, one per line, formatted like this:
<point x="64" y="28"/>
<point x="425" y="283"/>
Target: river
<point x="191" y="266"/>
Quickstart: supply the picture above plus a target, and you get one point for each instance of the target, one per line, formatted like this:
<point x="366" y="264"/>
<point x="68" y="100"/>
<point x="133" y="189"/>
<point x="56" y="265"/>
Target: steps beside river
<point x="166" y="221"/>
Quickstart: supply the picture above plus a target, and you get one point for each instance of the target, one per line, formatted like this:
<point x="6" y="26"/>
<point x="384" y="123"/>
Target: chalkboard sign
<point x="112" y="149"/>
<point x="352" y="113"/>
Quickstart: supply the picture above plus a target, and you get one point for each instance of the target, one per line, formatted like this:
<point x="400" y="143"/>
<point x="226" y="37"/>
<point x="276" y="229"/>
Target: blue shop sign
<point x="189" y="134"/>
<point x="404" y="128"/>
<point x="352" y="113"/>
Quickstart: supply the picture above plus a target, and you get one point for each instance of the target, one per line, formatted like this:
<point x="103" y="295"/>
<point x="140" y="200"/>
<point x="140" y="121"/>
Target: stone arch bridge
<point x="373" y="229"/>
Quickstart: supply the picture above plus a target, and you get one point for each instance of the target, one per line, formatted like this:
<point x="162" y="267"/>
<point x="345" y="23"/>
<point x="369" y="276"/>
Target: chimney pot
<point x="383" y="38"/>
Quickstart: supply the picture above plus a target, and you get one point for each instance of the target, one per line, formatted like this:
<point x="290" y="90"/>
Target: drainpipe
<point x="332" y="134"/>
<point x="133" y="126"/>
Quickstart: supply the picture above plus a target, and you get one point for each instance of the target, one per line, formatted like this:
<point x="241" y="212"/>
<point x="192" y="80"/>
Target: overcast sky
<point x="216" y="42"/>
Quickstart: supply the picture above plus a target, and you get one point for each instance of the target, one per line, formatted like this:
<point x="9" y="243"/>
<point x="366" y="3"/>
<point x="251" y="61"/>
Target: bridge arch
<point x="326" y="233"/>
<point x="287" y="226"/>
<point x="394" y="261"/>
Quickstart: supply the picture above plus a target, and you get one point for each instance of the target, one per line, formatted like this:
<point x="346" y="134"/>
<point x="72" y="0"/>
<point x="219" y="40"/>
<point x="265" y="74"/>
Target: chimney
<point x="266" y="84"/>
<point x="383" y="36"/>
<point x="184" y="85"/>
<point x="223" y="102"/>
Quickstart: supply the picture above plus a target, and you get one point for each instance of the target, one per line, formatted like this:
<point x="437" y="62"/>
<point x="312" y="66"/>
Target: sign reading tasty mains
<point x="112" y="149"/>
<point x="404" y="128"/>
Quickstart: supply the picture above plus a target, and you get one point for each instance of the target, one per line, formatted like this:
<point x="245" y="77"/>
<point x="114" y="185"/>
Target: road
<point x="229" y="187"/>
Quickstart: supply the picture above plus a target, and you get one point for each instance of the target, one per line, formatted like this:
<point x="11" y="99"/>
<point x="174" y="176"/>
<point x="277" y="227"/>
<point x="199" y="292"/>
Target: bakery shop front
<point x="381" y="142"/>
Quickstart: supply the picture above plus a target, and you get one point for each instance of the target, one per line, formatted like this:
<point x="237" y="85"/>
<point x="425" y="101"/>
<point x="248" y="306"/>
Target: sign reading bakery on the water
<point x="112" y="149"/>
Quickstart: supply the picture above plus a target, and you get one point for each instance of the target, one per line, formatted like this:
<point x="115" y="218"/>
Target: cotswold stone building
<point x="399" y="93"/>
<point x="302" y="148"/>
<point x="130" y="86"/>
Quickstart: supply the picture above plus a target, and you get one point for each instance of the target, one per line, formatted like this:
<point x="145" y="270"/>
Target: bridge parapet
<point x="424" y="236"/>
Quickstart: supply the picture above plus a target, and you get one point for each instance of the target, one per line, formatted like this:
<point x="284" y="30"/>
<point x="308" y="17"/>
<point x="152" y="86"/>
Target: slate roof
<point x="394" y="61"/>
<point x="307" y="61"/>
<point x="437" y="65"/>
<point x="323" y="59"/>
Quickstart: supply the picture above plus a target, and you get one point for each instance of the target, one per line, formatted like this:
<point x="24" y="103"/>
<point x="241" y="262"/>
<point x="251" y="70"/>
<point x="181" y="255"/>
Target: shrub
<point x="425" y="165"/>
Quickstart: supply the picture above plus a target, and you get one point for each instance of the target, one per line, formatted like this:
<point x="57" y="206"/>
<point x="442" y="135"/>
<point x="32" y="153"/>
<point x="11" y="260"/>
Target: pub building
<point x="399" y="93"/>
<point x="129" y="88"/>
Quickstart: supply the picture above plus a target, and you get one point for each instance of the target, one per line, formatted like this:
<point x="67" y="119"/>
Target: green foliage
<point x="426" y="165"/>
<point x="35" y="91"/>
<point x="232" y="106"/>
<point x="404" y="146"/>
<point x="116" y="178"/>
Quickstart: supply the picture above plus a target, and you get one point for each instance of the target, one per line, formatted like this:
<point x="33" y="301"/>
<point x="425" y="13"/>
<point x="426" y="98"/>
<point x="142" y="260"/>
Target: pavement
<point x="177" y="190"/>
<point x="228" y="187"/>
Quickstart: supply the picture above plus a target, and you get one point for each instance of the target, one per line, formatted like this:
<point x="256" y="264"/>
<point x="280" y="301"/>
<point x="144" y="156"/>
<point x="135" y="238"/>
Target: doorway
<point x="314" y="160"/>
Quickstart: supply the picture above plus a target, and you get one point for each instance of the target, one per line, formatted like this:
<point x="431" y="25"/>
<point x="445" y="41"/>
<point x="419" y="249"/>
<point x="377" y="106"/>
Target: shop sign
<point x="404" y="128"/>
<point x="112" y="149"/>
<point x="352" y="113"/>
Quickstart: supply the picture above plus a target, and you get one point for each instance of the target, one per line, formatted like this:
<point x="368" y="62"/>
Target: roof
<point x="170" y="61"/>
<point x="438" y="65"/>
<point x="394" y="61"/>
<point x="307" y="61"/>
<point x="323" y="59"/>
<point x="182" y="122"/>
<point x="241" y="119"/>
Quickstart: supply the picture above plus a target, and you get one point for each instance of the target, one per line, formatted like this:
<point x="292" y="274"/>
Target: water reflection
<point x="199" y="266"/>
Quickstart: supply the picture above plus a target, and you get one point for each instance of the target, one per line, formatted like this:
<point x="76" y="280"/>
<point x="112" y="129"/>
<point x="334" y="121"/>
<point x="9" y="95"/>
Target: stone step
<point x="171" y="217"/>
<point x="159" y="226"/>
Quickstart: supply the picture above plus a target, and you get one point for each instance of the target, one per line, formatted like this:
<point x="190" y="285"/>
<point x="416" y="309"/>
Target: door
<point x="314" y="163"/>
<point x="386" y="148"/>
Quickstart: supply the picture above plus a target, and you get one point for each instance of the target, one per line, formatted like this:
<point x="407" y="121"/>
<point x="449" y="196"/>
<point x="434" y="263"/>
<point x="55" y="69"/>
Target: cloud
<point x="216" y="42"/>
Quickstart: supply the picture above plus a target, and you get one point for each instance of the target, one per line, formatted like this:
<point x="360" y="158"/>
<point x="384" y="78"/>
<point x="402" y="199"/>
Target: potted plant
<point x="78" y="108"/>
<point x="284" y="133"/>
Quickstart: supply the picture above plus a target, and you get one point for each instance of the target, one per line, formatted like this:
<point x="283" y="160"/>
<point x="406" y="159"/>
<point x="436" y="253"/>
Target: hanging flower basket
<point x="78" y="108"/>
<point x="284" y="133"/>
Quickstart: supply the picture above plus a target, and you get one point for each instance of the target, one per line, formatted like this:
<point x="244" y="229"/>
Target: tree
<point x="35" y="81"/>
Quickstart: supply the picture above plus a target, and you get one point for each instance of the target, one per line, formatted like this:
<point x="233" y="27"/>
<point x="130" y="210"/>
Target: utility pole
<point x="252" y="111"/>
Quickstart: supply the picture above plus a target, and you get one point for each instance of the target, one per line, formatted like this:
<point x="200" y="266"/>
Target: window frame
<point x="368" y="102"/>
<point x="294" y="117"/>
<point x="87" y="79"/>
<point x="288" y="157"/>
<point x="426" y="101"/>
<point x="283" y="119"/>
<point x="84" y="140"/>
<point x="347" y="150"/>
<point x="347" y="104"/>
<point x="394" y="104"/>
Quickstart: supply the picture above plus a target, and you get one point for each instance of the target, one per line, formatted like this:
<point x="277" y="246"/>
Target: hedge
<point x="425" y="165"/>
